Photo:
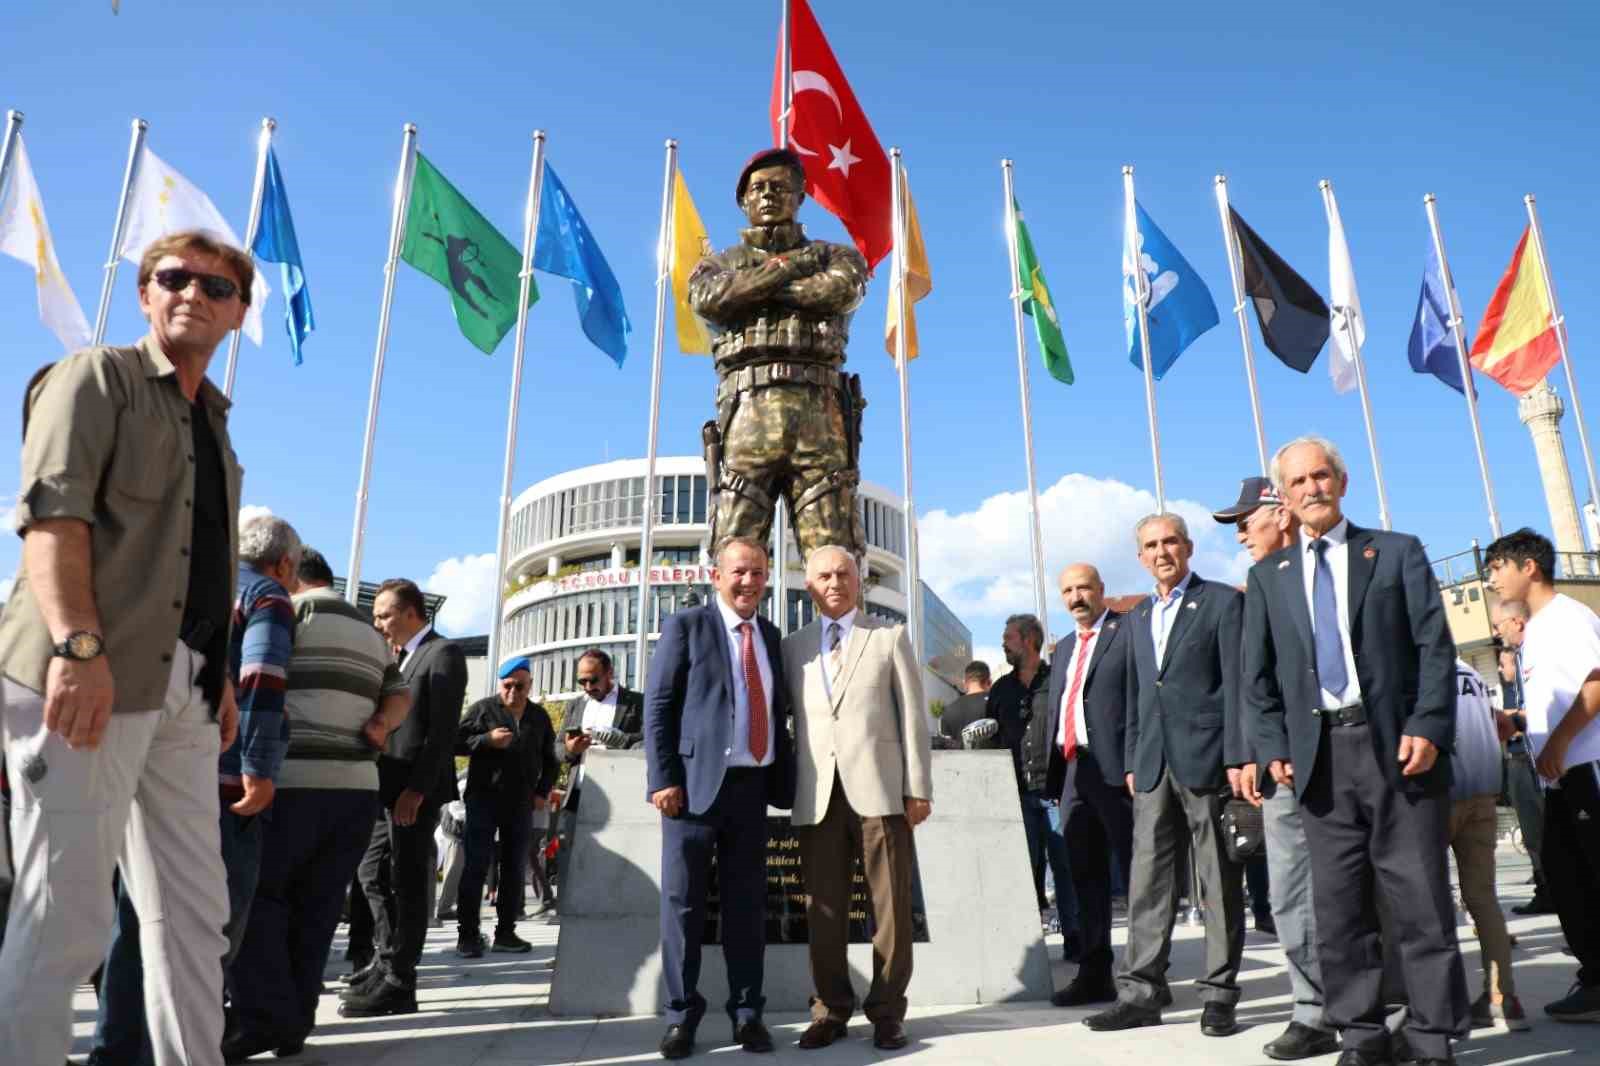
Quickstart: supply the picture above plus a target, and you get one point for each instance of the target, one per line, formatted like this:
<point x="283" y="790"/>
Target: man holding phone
<point x="605" y="710"/>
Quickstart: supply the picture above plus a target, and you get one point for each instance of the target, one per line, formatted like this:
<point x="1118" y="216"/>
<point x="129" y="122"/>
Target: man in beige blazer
<point x="864" y="781"/>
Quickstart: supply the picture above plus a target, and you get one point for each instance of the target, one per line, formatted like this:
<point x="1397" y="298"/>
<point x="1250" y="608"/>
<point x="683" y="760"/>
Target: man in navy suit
<point x="718" y="750"/>
<point x="1088" y="729"/>
<point x="1182" y="751"/>
<point x="1349" y="675"/>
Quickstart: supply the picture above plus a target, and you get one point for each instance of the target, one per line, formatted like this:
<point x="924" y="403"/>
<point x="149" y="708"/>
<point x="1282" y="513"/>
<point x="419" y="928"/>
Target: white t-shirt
<point x="1560" y="648"/>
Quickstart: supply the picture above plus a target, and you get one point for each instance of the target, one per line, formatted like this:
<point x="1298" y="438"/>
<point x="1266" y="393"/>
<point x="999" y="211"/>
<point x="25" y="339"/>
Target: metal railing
<point x="1467" y="566"/>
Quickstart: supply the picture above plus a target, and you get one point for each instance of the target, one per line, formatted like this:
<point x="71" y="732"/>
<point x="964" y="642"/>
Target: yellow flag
<point x="689" y="245"/>
<point x="919" y="282"/>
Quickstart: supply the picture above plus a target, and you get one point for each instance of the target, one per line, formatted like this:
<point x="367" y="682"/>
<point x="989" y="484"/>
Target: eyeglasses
<point x="216" y="287"/>
<point x="588" y="682"/>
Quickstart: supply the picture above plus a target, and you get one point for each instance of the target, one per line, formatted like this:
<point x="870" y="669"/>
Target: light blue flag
<point x="1181" y="307"/>
<point x="275" y="243"/>
<point x="1432" y="349"/>
<point x="566" y="248"/>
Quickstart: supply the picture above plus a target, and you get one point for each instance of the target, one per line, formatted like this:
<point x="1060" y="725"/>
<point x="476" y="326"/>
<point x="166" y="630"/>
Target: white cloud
<point x="995" y="656"/>
<point x="8" y="518"/>
<point x="980" y="562"/>
<point x="467" y="582"/>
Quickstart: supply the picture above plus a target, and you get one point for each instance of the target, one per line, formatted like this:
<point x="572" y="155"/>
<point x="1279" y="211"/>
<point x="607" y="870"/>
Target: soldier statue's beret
<point x="768" y="157"/>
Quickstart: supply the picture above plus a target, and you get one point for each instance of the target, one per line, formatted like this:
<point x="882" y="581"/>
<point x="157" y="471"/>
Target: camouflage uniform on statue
<point x="788" y="420"/>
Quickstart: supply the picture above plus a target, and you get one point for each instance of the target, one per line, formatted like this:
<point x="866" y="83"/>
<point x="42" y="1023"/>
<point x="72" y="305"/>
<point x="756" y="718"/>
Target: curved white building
<point x="572" y="571"/>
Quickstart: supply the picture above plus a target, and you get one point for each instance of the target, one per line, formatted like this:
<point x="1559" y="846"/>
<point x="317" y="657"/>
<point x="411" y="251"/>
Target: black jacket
<point x="629" y="721"/>
<point x="420" y="754"/>
<point x="1183" y="711"/>
<point x="962" y="712"/>
<point x="1104" y="695"/>
<point x="1405" y="658"/>
<point x="527" y="768"/>
<point x="1021" y="713"/>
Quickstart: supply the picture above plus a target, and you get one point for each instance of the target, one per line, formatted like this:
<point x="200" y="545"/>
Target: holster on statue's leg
<point x="825" y="513"/>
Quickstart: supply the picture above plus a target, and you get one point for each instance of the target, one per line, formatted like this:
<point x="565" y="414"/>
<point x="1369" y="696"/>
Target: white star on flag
<point x="842" y="159"/>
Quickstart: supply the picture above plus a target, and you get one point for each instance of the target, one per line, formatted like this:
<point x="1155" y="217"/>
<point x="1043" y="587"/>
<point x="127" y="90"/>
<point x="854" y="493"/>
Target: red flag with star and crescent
<point x="846" y="168"/>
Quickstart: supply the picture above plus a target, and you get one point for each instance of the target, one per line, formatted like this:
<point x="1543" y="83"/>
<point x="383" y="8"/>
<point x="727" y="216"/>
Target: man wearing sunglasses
<point x="513" y="765"/>
<point x="604" y="707"/>
<point x="113" y="647"/>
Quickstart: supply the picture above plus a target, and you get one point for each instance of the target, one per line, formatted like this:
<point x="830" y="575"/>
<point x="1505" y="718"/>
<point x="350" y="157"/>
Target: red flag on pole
<point x="846" y="168"/>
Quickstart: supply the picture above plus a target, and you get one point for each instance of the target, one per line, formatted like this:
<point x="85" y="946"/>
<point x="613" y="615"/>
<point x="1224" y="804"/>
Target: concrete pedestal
<point x="984" y="942"/>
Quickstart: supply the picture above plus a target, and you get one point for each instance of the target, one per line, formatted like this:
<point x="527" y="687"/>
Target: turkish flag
<point x="846" y="168"/>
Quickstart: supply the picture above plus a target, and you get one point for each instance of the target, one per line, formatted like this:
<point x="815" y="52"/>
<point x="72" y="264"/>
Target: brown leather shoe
<point x="821" y="1033"/>
<point x="889" y="1036"/>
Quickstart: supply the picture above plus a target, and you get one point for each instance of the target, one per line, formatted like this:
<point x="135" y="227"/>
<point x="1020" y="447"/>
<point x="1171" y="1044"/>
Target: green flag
<point x="1036" y="301"/>
<point x="448" y="240"/>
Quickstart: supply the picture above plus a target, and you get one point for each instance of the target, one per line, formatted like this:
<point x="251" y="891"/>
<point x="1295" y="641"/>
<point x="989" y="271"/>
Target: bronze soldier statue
<point x="788" y="422"/>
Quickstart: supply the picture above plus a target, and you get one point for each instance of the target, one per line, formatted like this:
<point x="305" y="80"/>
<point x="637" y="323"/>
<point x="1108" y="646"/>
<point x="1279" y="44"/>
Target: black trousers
<point x="1368" y="844"/>
<point x="395" y="874"/>
<point x="1098" y="823"/>
<point x="488" y="813"/>
<point x="1572" y="863"/>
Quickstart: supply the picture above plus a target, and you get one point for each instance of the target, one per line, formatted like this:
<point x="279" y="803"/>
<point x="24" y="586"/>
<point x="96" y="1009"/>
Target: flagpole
<point x="1040" y="603"/>
<point x="251" y="226"/>
<point x="1236" y="275"/>
<point x="780" y="516"/>
<point x="530" y="234"/>
<point x="397" y="236"/>
<point x="1428" y="203"/>
<point x="652" y="499"/>
<point x="1331" y="206"/>
<point x="1141" y="302"/>
<point x="786" y="60"/>
<point x="103" y="313"/>
<point x="902" y="361"/>
<point x="1560" y="324"/>
<point x="8" y="147"/>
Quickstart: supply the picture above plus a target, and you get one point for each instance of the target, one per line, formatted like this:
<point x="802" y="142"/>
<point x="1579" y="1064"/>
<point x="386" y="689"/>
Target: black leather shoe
<point x="1123" y="1016"/>
<point x="362" y="984"/>
<point x="678" y="1043"/>
<point x="889" y="1035"/>
<point x="378" y="1000"/>
<point x="362" y="971"/>
<point x="1083" y="990"/>
<point x="471" y="946"/>
<point x="511" y="944"/>
<point x="291" y="1048"/>
<point x="239" y="1046"/>
<point x="1300" y="1041"/>
<point x="753" y="1037"/>
<point x="1217" y="1020"/>
<point x="822" y="1033"/>
<point x="1356" y="1057"/>
<point x="1265" y="924"/>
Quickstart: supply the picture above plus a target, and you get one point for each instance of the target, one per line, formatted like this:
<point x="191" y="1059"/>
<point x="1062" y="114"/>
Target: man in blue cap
<point x="512" y="768"/>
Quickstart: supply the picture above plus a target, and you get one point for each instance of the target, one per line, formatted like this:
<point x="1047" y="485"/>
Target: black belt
<point x="1353" y="714"/>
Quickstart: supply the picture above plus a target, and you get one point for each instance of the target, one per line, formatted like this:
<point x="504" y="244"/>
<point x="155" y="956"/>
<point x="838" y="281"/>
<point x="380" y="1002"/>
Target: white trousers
<point x="145" y="799"/>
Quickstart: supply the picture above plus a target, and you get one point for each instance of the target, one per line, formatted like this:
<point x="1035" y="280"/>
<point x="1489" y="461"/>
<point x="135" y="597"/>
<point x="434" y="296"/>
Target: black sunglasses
<point x="216" y="287"/>
<point x="588" y="682"/>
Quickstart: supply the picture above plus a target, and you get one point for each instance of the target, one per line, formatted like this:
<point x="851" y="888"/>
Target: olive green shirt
<point x="107" y="441"/>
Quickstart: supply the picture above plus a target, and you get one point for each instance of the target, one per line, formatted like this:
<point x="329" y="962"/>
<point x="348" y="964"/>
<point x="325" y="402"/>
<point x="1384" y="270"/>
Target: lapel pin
<point x="1284" y="565"/>
<point x="1370" y="553"/>
<point x="1190" y="606"/>
<point x="1111" y="625"/>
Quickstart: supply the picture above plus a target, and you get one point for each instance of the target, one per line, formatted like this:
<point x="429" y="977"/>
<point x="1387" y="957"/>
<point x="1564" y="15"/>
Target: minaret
<point x="1540" y="410"/>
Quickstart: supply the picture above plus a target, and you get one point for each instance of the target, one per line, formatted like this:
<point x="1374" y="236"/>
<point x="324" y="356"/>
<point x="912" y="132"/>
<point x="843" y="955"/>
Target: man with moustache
<point x="718" y="754"/>
<point x="1265" y="526"/>
<point x="1088" y="731"/>
<point x="864" y="781"/>
<point x="1182" y="738"/>
<point x="1350" y="683"/>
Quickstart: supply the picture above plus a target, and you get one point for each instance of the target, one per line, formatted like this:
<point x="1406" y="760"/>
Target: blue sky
<point x="1477" y="102"/>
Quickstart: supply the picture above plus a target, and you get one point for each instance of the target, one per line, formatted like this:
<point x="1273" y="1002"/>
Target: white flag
<point x="1349" y="329"/>
<point x="25" y="234"/>
<point x="163" y="201"/>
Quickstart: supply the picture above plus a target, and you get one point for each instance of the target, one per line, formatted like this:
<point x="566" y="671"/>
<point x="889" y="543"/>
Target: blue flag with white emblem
<point x="566" y="248"/>
<point x="1180" y="307"/>
<point x="275" y="243"/>
<point x="1432" y="349"/>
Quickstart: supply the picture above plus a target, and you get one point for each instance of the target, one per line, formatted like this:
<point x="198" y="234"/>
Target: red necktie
<point x="758" y="695"/>
<point x="1069" y="746"/>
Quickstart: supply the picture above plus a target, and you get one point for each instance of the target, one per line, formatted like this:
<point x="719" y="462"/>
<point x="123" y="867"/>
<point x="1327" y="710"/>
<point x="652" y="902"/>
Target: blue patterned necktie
<point x="1325" y="624"/>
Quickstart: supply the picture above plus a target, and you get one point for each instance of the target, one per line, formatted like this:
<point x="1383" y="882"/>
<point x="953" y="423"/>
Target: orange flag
<point x="1517" y="342"/>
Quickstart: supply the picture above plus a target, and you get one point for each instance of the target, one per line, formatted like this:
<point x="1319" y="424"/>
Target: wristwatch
<point x="80" y="645"/>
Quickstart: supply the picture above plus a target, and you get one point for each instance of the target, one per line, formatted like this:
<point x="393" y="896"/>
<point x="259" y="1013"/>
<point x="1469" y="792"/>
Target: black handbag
<point x="1243" y="835"/>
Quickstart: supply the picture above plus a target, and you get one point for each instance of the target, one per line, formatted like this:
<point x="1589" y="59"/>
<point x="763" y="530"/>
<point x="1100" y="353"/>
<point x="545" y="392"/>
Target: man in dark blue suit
<point x="718" y="750"/>
<point x="1088" y="730"/>
<point x="1349" y="675"/>
<point x="1182" y="753"/>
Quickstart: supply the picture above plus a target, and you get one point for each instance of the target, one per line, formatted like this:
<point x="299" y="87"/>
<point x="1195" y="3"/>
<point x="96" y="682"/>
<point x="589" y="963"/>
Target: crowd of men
<point x="153" y="644"/>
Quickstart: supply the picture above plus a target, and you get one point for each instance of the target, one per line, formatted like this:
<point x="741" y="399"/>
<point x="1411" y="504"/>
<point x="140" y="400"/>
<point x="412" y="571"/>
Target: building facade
<point x="573" y="570"/>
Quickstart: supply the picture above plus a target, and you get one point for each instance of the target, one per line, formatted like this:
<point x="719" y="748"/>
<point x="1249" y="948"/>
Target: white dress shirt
<point x="600" y="714"/>
<point x="845" y="622"/>
<point x="1338" y="554"/>
<point x="416" y="639"/>
<point x="739" y="753"/>
<point x="1085" y="650"/>
<point x="1164" y="612"/>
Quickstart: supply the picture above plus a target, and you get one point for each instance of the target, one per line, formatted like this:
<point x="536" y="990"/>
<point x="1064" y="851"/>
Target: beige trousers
<point x="1472" y="833"/>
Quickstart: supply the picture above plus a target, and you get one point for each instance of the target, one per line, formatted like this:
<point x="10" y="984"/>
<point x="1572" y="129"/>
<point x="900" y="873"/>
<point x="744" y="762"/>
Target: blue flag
<point x="1180" y="308"/>
<point x="566" y="248"/>
<point x="1433" y="345"/>
<point x="275" y="243"/>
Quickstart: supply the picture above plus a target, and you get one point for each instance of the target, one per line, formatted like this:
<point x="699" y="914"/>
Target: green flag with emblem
<point x="451" y="242"/>
<point x="1037" y="302"/>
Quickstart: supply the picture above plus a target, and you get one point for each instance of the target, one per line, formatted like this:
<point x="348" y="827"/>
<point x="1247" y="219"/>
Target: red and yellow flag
<point x="1517" y="342"/>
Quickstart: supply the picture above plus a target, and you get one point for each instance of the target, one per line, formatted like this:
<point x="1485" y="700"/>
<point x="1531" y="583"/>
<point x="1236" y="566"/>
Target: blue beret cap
<point x="513" y="666"/>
